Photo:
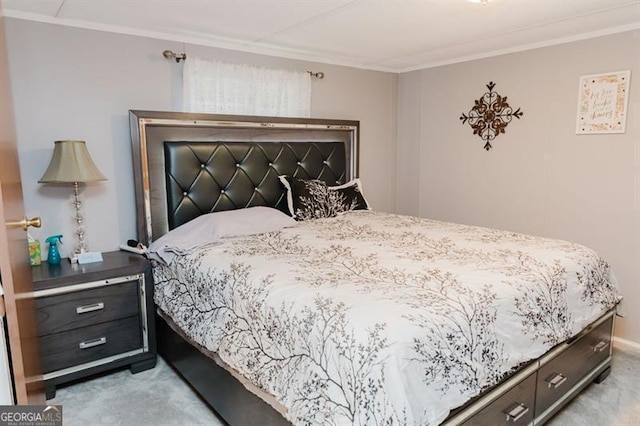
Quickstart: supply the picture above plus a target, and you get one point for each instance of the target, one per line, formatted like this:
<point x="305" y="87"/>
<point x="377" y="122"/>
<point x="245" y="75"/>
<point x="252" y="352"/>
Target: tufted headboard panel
<point x="213" y="176"/>
<point x="187" y="164"/>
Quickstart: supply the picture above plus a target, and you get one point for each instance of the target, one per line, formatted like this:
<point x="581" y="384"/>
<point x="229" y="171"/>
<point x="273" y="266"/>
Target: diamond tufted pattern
<point x="205" y="177"/>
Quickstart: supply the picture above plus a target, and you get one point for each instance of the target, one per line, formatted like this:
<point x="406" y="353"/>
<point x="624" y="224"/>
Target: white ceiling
<point x="387" y="35"/>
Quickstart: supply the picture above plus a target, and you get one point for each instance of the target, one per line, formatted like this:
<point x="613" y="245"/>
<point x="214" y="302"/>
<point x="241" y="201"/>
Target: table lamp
<point x="72" y="164"/>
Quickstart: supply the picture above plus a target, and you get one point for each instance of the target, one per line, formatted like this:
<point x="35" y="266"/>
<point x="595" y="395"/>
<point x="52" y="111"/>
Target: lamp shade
<point x="71" y="163"/>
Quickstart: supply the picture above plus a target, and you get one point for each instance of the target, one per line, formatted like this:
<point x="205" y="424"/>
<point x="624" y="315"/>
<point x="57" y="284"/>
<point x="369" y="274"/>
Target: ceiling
<point x="386" y="35"/>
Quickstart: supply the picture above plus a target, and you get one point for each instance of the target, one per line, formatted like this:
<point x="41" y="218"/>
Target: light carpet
<point x="160" y="397"/>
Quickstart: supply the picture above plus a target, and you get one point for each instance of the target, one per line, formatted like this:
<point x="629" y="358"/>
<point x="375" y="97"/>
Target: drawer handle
<point x="600" y="346"/>
<point x="89" y="308"/>
<point x="91" y="343"/>
<point x="556" y="380"/>
<point x="516" y="411"/>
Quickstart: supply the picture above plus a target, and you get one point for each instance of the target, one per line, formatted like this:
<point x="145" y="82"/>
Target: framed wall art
<point x="602" y="103"/>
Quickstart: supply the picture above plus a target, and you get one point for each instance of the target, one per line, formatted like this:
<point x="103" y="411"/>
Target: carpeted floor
<point x="153" y="397"/>
<point x="160" y="397"/>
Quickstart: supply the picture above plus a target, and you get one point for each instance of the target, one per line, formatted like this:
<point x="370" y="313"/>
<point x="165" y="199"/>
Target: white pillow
<point x="210" y="228"/>
<point x="251" y="221"/>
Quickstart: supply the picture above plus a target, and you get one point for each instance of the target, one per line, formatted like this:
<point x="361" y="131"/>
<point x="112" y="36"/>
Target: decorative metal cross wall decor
<point x="490" y="115"/>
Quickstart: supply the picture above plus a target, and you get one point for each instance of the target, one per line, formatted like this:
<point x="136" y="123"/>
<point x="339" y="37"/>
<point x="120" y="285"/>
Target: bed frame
<point x="189" y="164"/>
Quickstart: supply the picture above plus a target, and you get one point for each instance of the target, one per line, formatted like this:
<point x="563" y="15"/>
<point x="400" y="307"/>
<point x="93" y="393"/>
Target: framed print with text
<point x="602" y="103"/>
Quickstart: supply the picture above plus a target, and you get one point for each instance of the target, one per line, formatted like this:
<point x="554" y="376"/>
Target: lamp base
<point x="74" y="256"/>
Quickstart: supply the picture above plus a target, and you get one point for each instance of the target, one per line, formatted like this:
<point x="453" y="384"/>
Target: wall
<point x="71" y="83"/>
<point x="540" y="177"/>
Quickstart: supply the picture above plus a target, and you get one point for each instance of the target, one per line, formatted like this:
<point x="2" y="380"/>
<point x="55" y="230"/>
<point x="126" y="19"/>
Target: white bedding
<point x="371" y="318"/>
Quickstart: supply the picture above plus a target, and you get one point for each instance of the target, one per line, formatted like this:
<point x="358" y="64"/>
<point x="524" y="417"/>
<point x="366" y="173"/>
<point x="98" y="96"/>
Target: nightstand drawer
<point x="79" y="346"/>
<point x="86" y="307"/>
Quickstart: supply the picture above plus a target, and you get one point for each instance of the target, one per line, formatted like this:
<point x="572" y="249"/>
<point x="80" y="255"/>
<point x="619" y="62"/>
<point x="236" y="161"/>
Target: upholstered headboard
<point x="186" y="165"/>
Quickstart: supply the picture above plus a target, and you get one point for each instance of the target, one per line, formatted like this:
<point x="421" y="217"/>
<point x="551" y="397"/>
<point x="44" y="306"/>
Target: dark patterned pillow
<point x="313" y="199"/>
<point x="352" y="191"/>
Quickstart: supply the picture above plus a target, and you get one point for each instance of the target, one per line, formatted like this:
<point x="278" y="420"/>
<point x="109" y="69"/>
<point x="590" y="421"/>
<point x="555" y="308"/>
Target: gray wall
<point x="71" y="83"/>
<point x="540" y="177"/>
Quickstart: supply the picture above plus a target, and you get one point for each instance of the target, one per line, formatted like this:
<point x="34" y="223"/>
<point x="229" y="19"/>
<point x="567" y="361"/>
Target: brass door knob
<point x="36" y="222"/>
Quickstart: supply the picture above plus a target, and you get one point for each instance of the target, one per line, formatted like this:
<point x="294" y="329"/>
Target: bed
<point x="452" y="371"/>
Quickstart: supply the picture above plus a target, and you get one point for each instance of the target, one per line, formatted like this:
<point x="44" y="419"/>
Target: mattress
<point x="371" y="317"/>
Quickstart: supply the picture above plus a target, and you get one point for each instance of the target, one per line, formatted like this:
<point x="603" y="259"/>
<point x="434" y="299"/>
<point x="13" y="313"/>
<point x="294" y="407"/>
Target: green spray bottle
<point x="53" y="258"/>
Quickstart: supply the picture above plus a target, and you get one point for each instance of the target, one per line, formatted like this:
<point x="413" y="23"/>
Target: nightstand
<point x="94" y="317"/>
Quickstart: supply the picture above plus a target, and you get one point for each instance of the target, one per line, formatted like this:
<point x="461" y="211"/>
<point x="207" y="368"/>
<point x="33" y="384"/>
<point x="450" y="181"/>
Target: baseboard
<point x="626" y="345"/>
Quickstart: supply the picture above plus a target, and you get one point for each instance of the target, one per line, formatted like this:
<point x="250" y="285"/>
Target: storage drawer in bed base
<point x="484" y="402"/>
<point x="575" y="390"/>
<point x="567" y="373"/>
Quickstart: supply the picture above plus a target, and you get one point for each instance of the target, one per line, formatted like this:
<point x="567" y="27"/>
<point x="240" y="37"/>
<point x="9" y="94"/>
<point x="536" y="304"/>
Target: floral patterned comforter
<point x="371" y="318"/>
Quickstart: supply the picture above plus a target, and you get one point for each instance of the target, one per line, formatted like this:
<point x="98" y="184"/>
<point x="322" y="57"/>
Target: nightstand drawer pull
<point x="556" y="380"/>
<point x="600" y="346"/>
<point x="89" y="308"/>
<point x="91" y="343"/>
<point x="516" y="411"/>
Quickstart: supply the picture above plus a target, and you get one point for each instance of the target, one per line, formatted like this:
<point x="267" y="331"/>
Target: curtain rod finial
<point x="319" y="75"/>
<point x="168" y="54"/>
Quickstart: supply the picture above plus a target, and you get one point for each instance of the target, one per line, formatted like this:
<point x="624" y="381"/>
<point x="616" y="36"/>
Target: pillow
<point x="313" y="199"/>
<point x="250" y="221"/>
<point x="209" y="228"/>
<point x="352" y="190"/>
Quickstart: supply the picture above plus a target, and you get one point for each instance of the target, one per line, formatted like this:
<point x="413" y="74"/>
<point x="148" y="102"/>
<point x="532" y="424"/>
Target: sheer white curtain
<point x="218" y="87"/>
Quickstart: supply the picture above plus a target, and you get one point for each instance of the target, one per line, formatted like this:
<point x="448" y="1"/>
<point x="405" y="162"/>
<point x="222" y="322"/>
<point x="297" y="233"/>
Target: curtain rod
<point x="168" y="54"/>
